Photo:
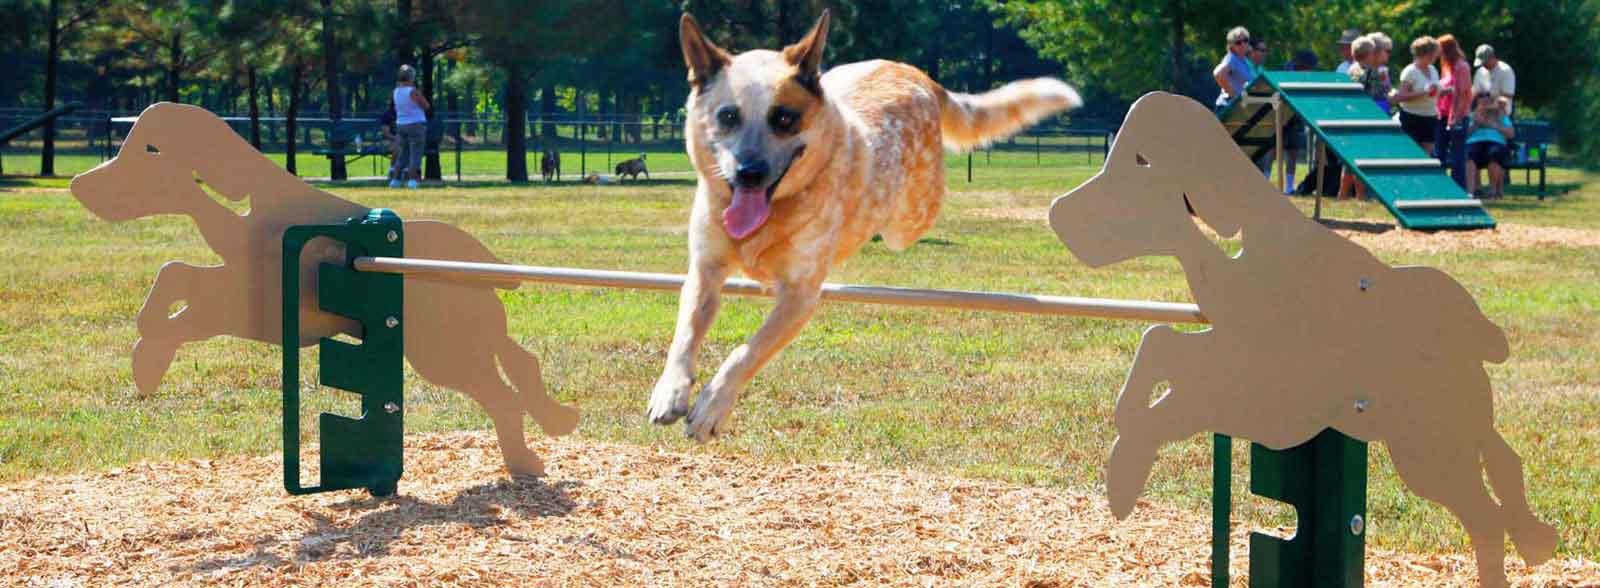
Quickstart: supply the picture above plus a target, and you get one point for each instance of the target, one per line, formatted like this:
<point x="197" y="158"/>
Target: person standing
<point x="1365" y="71"/>
<point x="1259" y="52"/>
<point x="1453" y="103"/>
<point x="1419" y="84"/>
<point x="1494" y="78"/>
<point x="1345" y="42"/>
<point x="411" y="124"/>
<point x="1233" y="72"/>
<point x="1383" y="50"/>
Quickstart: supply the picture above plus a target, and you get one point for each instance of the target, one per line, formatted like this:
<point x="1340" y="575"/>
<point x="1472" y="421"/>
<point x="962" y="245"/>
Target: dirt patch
<point x="1386" y="236"/>
<point x="616" y="515"/>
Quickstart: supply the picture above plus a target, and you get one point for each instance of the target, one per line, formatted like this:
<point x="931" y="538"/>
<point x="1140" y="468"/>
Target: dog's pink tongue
<point x="747" y="213"/>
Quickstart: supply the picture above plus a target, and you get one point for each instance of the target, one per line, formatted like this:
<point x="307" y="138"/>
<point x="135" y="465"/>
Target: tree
<point x="59" y="24"/>
<point x="507" y="37"/>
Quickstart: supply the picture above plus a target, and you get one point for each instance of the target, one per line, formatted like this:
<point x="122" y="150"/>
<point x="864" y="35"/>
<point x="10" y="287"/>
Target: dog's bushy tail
<point x="974" y="120"/>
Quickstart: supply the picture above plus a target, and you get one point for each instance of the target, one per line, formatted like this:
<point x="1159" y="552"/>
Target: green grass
<point x="1017" y="398"/>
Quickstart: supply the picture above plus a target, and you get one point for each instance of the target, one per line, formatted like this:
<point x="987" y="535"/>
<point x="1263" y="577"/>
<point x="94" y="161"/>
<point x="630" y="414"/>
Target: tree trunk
<point x="255" y="109"/>
<point x="295" y="74"/>
<point x="330" y="75"/>
<point x="47" y="156"/>
<point x="616" y="116"/>
<point x="1175" y="8"/>
<point x="516" y="125"/>
<point x="272" y="110"/>
<point x="404" y="52"/>
<point x="430" y="167"/>
<point x="547" y="106"/>
<point x="174" y="58"/>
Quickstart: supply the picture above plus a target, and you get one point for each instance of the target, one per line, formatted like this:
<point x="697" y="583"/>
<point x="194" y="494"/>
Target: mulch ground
<point x="617" y="515"/>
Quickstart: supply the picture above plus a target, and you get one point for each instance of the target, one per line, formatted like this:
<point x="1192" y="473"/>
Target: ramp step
<point x="1319" y="85"/>
<point x="1397" y="163"/>
<point x="1359" y="124"/>
<point x="1440" y="203"/>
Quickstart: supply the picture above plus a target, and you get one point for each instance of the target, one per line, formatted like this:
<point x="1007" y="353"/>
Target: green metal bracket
<point x="363" y="452"/>
<point x="1325" y="479"/>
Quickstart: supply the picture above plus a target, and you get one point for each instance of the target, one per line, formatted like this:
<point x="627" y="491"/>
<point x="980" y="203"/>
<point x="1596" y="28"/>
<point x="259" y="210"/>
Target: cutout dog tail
<point x="975" y="120"/>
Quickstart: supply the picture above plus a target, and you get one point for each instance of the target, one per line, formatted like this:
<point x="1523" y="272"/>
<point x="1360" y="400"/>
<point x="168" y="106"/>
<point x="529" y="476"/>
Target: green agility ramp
<point x="1410" y="184"/>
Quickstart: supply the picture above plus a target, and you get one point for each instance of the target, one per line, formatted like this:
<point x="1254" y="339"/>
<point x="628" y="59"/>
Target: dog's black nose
<point x="751" y="174"/>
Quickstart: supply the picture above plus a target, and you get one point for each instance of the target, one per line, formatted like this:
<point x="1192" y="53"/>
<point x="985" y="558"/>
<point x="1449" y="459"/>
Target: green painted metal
<point x="1387" y="186"/>
<point x="1221" y="507"/>
<point x="364" y="452"/>
<point x="1325" y="480"/>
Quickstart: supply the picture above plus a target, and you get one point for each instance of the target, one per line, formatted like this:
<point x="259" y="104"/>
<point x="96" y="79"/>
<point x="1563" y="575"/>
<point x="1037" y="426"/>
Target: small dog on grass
<point x="632" y="168"/>
<point x="797" y="169"/>
<point x="550" y="165"/>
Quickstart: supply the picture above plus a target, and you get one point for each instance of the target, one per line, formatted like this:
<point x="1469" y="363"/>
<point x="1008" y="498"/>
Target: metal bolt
<point x="1365" y="283"/>
<point x="391" y="407"/>
<point x="1357" y="525"/>
<point x="1361" y="405"/>
<point x="391" y="322"/>
<point x="392" y="236"/>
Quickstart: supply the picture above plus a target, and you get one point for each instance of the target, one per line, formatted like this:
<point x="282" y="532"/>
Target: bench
<point x="1531" y="150"/>
<point x="342" y="139"/>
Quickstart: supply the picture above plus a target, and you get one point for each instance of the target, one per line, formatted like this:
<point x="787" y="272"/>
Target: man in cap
<point x="1494" y="77"/>
<point x="1349" y="37"/>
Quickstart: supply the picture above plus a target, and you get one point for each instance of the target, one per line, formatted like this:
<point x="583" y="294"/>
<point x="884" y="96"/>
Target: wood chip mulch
<point x="618" y="515"/>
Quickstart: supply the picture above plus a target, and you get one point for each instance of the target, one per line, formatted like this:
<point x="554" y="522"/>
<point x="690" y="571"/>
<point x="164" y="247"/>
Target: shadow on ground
<point x="479" y="507"/>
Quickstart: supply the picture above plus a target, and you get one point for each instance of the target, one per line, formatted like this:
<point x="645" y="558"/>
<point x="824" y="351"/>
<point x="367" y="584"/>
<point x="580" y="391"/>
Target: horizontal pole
<point x="1107" y="308"/>
<point x="1439" y="203"/>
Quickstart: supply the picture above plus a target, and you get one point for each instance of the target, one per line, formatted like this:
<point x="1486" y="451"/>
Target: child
<point x="1487" y="135"/>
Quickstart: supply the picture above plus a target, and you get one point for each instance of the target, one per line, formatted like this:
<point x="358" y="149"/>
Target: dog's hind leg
<point x="796" y="304"/>
<point x="1535" y="539"/>
<point x="697" y="308"/>
<point x="1453" y="477"/>
<point x="523" y="369"/>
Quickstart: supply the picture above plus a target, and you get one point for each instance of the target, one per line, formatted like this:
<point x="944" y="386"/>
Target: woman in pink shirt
<point x="1454" y="102"/>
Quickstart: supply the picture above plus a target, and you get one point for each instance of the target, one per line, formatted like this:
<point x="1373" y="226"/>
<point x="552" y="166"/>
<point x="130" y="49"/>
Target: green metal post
<point x="1325" y="480"/>
<point x="364" y="452"/>
<point x="1221" y="506"/>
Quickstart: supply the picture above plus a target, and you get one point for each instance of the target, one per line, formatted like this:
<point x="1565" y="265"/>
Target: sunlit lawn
<point x="1019" y="398"/>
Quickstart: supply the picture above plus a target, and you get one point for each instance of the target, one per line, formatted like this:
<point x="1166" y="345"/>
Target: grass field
<point x="1016" y="398"/>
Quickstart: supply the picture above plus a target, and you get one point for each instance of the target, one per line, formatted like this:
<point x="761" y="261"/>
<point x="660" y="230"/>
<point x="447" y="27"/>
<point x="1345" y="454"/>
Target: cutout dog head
<point x="751" y="116"/>
<point x="1104" y="222"/>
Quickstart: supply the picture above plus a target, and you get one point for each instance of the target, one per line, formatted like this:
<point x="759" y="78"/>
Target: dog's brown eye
<point x="783" y="120"/>
<point x="728" y="116"/>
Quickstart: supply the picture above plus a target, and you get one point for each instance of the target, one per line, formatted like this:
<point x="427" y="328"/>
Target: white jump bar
<point x="1107" y="308"/>
<point x="1439" y="203"/>
<point x="1359" y="124"/>
<point x="1397" y="163"/>
<point x="1319" y="85"/>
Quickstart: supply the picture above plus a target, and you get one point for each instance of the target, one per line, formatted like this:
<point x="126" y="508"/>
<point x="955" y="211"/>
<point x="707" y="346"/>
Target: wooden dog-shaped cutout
<point x="1309" y="331"/>
<point x="455" y="332"/>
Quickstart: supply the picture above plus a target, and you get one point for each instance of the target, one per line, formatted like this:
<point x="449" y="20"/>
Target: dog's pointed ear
<point x="806" y="55"/>
<point x="703" y="57"/>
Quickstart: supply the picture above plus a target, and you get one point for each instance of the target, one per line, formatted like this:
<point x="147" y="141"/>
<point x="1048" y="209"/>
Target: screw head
<point x="391" y="322"/>
<point x="1357" y="525"/>
<point x="1365" y="283"/>
<point x="1361" y="405"/>
<point x="391" y="407"/>
<point x="392" y="236"/>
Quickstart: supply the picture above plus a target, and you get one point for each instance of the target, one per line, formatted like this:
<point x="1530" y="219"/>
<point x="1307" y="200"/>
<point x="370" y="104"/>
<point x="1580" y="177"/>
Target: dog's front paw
<point x="711" y="415"/>
<point x="670" y="399"/>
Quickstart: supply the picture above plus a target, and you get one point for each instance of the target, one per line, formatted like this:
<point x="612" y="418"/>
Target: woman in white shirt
<point x="411" y="125"/>
<point x="1419" y="84"/>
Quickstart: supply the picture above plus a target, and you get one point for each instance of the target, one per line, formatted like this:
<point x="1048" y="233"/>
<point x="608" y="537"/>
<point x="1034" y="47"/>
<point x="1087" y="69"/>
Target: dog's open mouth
<point x="752" y="206"/>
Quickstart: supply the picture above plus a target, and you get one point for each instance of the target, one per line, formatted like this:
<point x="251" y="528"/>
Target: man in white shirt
<point x="1349" y="37"/>
<point x="1494" y="77"/>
